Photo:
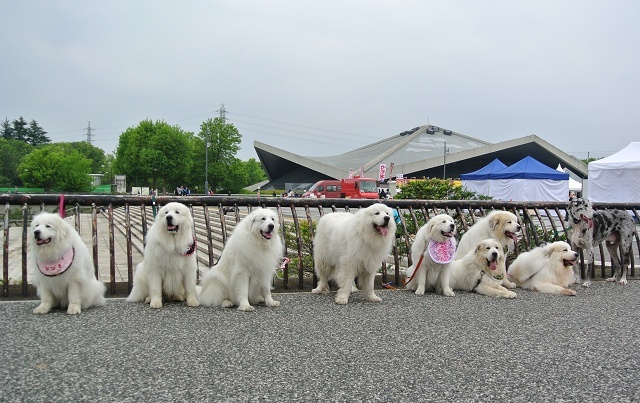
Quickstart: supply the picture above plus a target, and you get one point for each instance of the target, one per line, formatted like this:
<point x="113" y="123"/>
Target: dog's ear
<point x="542" y="244"/>
<point x="548" y="250"/>
<point x="493" y="222"/>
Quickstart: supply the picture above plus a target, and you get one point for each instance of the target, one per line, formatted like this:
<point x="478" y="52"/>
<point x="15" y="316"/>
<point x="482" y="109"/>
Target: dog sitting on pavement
<point x="591" y="227"/>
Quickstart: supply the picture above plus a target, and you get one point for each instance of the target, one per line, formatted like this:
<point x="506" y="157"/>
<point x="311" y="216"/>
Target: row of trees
<point x="153" y="154"/>
<point x="19" y="129"/>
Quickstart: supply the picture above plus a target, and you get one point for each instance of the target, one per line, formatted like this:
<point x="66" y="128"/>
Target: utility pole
<point x="89" y="130"/>
<point x="206" y="163"/>
<point x="444" y="166"/>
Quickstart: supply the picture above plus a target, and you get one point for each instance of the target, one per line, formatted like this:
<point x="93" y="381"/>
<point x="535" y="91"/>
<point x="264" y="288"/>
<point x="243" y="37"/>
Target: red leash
<point x="415" y="271"/>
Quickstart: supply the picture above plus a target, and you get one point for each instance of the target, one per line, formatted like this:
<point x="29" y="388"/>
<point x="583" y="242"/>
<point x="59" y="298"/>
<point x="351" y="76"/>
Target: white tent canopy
<point x="574" y="185"/>
<point x="616" y="178"/>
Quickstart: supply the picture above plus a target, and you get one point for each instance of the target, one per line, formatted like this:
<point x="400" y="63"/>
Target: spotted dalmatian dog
<point x="590" y="228"/>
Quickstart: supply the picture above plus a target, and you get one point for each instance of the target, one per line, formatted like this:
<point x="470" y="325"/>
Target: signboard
<point x="382" y="173"/>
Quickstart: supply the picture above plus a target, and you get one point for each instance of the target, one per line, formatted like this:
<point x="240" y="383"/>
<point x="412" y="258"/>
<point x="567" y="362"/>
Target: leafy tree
<point x="154" y="154"/>
<point x="20" y="130"/>
<point x="11" y="152"/>
<point x="226" y="172"/>
<point x="55" y="169"/>
<point x="36" y="134"/>
<point x="94" y="154"/>
<point x="7" y="130"/>
<point x="436" y="189"/>
<point x="255" y="171"/>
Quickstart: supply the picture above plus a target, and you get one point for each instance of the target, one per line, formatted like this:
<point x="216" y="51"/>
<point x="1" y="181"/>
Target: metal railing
<point x="118" y="225"/>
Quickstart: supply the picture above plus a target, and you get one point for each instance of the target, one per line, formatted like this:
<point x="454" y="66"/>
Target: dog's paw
<point x="568" y="291"/>
<point x="340" y="300"/>
<point x="192" y="302"/>
<point x="320" y="290"/>
<point x="448" y="292"/>
<point x="623" y="281"/>
<point x="420" y="291"/>
<point x="510" y="295"/>
<point x="226" y="304"/>
<point x="272" y="303"/>
<point x="374" y="298"/>
<point x="156" y="303"/>
<point x="41" y="309"/>
<point x="73" y="309"/>
<point x="508" y="284"/>
<point x="586" y="283"/>
<point x="246" y="308"/>
<point x="147" y="300"/>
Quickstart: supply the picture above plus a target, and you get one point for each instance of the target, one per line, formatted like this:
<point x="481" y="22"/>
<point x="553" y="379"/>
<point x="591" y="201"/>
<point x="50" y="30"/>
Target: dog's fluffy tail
<point x="214" y="289"/>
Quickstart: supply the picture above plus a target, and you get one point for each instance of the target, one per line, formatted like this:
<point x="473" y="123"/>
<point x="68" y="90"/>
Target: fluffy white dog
<point x="349" y="245"/>
<point x="548" y="269"/>
<point x="244" y="274"/>
<point x="169" y="266"/>
<point x="61" y="267"/>
<point x="481" y="270"/>
<point x="431" y="253"/>
<point x="499" y="225"/>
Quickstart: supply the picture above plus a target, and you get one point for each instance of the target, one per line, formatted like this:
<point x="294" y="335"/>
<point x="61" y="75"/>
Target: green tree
<point x="436" y="189"/>
<point x="55" y="169"/>
<point x="95" y="154"/>
<point x="154" y="154"/>
<point x="36" y="134"/>
<point x="255" y="172"/>
<point x="226" y="172"/>
<point x="6" y="129"/>
<point x="20" y="129"/>
<point x="11" y="152"/>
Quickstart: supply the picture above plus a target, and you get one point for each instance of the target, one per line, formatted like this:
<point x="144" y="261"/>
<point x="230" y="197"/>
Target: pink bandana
<point x="57" y="268"/>
<point x="442" y="252"/>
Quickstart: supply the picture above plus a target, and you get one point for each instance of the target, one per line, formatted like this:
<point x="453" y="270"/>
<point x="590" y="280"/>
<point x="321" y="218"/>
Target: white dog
<point x="481" y="270"/>
<point x="499" y="225"/>
<point x="61" y="267"/>
<point x="349" y="245"/>
<point x="244" y="274"/>
<point x="169" y="266"/>
<point x="431" y="253"/>
<point x="548" y="269"/>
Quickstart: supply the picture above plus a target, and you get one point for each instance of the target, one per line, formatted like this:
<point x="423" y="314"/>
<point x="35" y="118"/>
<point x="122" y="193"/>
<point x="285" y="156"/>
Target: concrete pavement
<point x="407" y="348"/>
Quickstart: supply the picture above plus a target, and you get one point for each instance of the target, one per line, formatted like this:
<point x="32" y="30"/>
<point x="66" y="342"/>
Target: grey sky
<point x="322" y="77"/>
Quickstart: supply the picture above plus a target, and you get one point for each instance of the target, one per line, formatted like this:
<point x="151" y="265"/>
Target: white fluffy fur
<point x="76" y="288"/>
<point x="349" y="245"/>
<point x="548" y="269"/>
<point x="165" y="269"/>
<point x="476" y="271"/>
<point x="499" y="225"/>
<point x="431" y="276"/>
<point x="244" y="274"/>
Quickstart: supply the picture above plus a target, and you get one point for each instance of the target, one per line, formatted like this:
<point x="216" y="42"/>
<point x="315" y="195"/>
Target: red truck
<point x="349" y="188"/>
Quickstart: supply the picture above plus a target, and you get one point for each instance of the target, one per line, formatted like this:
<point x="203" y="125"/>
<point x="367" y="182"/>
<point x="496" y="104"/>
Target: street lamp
<point x="444" y="165"/>
<point x="206" y="164"/>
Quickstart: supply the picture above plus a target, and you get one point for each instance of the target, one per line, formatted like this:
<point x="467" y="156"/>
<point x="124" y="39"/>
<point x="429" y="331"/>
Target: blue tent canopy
<point x="483" y="173"/>
<point x="528" y="168"/>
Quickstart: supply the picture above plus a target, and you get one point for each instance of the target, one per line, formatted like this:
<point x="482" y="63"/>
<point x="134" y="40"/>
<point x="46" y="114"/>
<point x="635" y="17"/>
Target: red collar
<point x="191" y="248"/>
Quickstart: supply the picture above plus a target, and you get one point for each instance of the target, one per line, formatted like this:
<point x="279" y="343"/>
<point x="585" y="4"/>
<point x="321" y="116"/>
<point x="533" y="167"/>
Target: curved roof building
<point x="425" y="151"/>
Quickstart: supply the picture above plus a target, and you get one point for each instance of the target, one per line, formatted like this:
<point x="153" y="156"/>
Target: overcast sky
<point x="319" y="78"/>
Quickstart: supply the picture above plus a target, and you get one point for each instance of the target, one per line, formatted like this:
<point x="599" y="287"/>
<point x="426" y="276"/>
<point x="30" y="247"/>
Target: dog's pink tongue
<point x="267" y="235"/>
<point x="383" y="230"/>
<point x="493" y="265"/>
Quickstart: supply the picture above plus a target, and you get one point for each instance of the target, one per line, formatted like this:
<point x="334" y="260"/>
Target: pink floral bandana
<point x="442" y="252"/>
<point x="57" y="268"/>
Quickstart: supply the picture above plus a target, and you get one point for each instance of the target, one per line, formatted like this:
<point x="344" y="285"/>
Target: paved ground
<point x="407" y="348"/>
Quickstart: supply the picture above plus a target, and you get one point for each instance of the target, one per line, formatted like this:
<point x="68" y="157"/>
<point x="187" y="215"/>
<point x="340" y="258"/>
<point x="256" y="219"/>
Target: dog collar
<point x="52" y="269"/>
<point x="442" y="252"/>
<point x="191" y="248"/>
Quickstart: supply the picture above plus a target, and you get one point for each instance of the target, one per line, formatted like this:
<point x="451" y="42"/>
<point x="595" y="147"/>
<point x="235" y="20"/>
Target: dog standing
<point x="616" y="227"/>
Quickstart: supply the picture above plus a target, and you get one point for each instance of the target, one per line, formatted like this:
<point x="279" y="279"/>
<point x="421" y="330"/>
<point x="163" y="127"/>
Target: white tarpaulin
<point x="574" y="185"/>
<point x="529" y="180"/>
<point x="616" y="178"/>
<point x="478" y="181"/>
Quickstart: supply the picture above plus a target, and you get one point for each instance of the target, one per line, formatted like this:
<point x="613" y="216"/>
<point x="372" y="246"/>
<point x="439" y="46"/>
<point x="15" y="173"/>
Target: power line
<point x="89" y="130"/>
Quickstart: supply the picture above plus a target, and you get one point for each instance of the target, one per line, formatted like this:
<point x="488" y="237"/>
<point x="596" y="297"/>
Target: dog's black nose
<point x="169" y="219"/>
<point x="494" y="255"/>
<point x="36" y="232"/>
<point x="575" y="254"/>
<point x="271" y="227"/>
<point x="518" y="227"/>
<point x="452" y="226"/>
<point x="386" y="219"/>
